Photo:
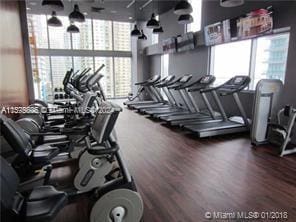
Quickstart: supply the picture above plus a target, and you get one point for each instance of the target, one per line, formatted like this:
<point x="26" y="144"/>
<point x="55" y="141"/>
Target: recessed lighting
<point x="113" y="11"/>
<point x="84" y="13"/>
<point x="130" y="17"/>
<point x="28" y="8"/>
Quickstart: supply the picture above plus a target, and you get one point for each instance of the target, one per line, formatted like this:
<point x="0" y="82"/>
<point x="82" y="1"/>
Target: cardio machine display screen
<point x="205" y="79"/>
<point x="238" y="80"/>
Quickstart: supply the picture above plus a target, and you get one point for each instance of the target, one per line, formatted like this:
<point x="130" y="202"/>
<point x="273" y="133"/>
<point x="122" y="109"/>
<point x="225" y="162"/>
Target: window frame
<point x="200" y="17"/>
<point x="252" y="64"/>
<point x="72" y="52"/>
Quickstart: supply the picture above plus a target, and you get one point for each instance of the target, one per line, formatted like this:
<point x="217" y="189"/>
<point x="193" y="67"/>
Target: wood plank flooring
<point x="181" y="177"/>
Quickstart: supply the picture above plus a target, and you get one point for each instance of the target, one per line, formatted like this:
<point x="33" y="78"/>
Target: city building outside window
<point x="100" y="42"/>
<point x="260" y="58"/>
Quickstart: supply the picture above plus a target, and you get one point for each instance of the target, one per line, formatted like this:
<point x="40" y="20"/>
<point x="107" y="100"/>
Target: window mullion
<point x="252" y="64"/>
<point x="113" y="60"/>
<point x="50" y="63"/>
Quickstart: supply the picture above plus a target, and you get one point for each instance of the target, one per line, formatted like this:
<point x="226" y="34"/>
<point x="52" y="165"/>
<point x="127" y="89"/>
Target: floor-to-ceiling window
<point x="54" y="51"/>
<point x="260" y="58"/>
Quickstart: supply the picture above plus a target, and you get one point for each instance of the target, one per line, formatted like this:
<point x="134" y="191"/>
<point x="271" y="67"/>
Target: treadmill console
<point x="235" y="84"/>
<point x="207" y="79"/>
<point x="185" y="78"/>
<point x="238" y="80"/>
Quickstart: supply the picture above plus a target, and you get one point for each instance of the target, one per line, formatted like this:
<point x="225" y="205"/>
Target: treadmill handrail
<point x="165" y="81"/>
<point x="179" y="83"/>
<point x="197" y="88"/>
<point x="227" y="91"/>
<point x="153" y="79"/>
<point x="200" y="82"/>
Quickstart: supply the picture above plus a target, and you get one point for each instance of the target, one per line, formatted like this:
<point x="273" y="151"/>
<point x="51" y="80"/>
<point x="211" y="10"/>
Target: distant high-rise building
<point x="100" y="35"/>
<point x="277" y="57"/>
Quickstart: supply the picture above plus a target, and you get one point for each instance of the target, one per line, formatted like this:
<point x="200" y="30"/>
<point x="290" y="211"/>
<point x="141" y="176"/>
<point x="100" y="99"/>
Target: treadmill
<point x="158" y="95"/>
<point x="148" y="86"/>
<point x="197" y="115"/>
<point x="175" y="109"/>
<point x="226" y="125"/>
<point x="158" y="86"/>
<point x="163" y="85"/>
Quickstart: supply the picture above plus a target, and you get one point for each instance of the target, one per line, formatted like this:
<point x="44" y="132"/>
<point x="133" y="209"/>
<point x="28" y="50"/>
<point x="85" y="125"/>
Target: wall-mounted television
<point x="217" y="33"/>
<point x="169" y="45"/>
<point x="185" y="42"/>
<point x="245" y="26"/>
<point x="255" y="23"/>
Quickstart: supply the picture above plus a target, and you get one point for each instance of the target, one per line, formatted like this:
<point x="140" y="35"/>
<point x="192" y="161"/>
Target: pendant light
<point x="183" y="7"/>
<point x="158" y="30"/>
<point x="152" y="23"/>
<point x="185" y="19"/>
<point x="72" y="28"/>
<point x="136" y="31"/>
<point x="56" y="5"/>
<point x="54" y="21"/>
<point x="142" y="36"/>
<point x="76" y="15"/>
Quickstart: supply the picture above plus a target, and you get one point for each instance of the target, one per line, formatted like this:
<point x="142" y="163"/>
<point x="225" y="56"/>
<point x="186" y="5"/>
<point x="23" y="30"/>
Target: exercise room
<point x="147" y="110"/>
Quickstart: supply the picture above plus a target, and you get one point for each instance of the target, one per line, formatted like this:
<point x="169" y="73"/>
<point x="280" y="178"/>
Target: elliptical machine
<point x="111" y="198"/>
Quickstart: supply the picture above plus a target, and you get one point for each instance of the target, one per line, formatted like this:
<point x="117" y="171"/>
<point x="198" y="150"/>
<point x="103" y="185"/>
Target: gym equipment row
<point x="266" y="127"/>
<point x="41" y="139"/>
<point x="203" y="123"/>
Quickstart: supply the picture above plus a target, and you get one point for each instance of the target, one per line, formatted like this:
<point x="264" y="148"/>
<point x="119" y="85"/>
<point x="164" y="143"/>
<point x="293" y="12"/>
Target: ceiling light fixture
<point x="152" y="23"/>
<point x="131" y="3"/>
<point x="158" y="30"/>
<point x="136" y="31"/>
<point x="72" y="28"/>
<point x="54" y="21"/>
<point x="185" y="19"/>
<point x="76" y="15"/>
<point x="56" y="5"/>
<point x="142" y="36"/>
<point x="231" y="3"/>
<point x="182" y="8"/>
<point x="145" y="4"/>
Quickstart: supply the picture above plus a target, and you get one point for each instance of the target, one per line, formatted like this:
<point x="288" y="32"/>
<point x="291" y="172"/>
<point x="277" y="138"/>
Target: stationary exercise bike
<point x="112" y="198"/>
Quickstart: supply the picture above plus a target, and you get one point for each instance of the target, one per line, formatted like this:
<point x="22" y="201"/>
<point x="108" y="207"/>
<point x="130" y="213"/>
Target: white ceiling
<point x="114" y="9"/>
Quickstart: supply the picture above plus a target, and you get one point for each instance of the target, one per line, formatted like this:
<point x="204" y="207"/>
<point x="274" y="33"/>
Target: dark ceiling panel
<point x="114" y="9"/>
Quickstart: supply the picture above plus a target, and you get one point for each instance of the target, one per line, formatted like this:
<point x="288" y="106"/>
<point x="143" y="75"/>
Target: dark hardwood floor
<point x="181" y="177"/>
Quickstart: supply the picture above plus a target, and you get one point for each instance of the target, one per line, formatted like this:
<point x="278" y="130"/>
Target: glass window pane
<point x="102" y="35"/>
<point x="83" y="40"/>
<point x="230" y="59"/>
<point x="42" y="77"/>
<point x="37" y="28"/>
<point x="122" y="72"/>
<point x="195" y="26"/>
<point x="59" y="38"/>
<point x="107" y="71"/>
<point x="271" y="58"/>
<point x="60" y="65"/>
<point x="81" y="63"/>
<point x="122" y="37"/>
